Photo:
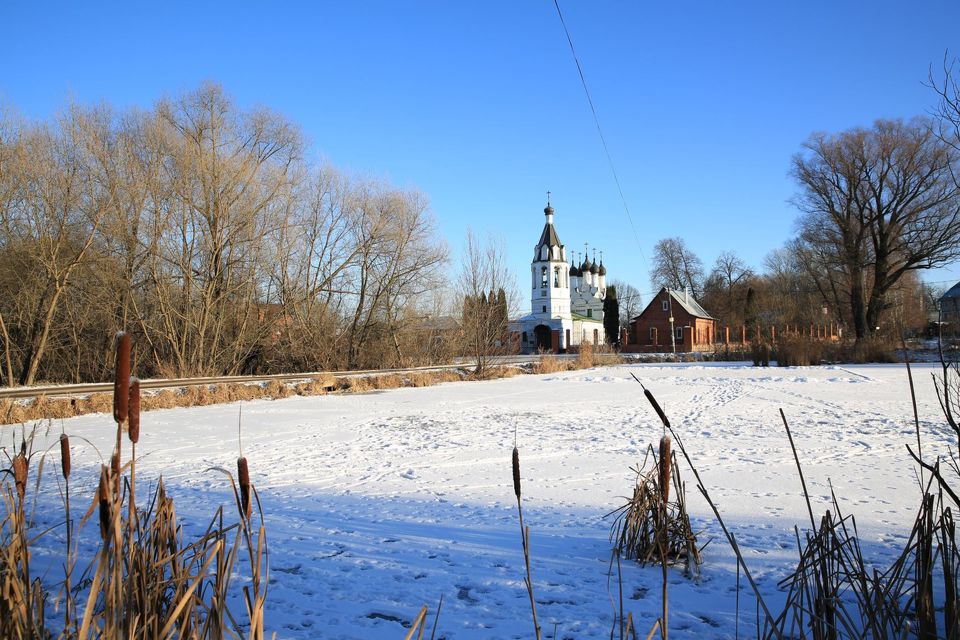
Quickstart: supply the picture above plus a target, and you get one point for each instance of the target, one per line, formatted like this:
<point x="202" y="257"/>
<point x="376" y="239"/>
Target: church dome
<point x="593" y="268"/>
<point x="548" y="210"/>
<point x="585" y="267"/>
<point x="602" y="270"/>
<point x="574" y="272"/>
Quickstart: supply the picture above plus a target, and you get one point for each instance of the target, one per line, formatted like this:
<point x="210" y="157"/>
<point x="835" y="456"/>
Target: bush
<point x="799" y="351"/>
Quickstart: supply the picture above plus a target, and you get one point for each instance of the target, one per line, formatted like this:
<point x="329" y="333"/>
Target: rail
<point x="51" y="391"/>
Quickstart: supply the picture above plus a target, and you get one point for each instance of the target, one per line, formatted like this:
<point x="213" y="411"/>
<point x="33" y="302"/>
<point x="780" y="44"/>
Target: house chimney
<point x="686" y="294"/>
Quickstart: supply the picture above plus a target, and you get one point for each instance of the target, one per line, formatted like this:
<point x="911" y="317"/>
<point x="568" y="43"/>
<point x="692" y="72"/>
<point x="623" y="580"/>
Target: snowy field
<point x="379" y="503"/>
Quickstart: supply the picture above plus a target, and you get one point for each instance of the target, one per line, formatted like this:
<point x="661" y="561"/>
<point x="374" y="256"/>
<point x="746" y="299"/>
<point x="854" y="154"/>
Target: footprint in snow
<point x="409" y="474"/>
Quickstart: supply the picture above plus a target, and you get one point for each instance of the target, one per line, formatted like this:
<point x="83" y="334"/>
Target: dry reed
<point x="121" y="378"/>
<point x="525" y="537"/>
<point x="146" y="581"/>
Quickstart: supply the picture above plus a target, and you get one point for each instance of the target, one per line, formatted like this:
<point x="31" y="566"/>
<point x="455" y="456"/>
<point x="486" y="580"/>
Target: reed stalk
<point x="525" y="539"/>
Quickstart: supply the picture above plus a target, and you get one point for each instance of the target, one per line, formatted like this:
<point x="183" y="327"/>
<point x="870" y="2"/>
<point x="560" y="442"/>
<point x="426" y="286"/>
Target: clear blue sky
<point x="479" y="105"/>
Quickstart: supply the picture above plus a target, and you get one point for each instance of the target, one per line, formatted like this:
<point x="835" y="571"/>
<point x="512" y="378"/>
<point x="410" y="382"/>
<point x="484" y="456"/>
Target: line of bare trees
<point x="200" y="227"/>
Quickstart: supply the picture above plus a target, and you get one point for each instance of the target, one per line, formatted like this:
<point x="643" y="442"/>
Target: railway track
<point x="61" y="390"/>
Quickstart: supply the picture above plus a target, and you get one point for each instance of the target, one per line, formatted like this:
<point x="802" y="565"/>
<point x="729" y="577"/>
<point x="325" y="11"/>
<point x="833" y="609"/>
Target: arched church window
<point x="556" y="277"/>
<point x="543" y="276"/>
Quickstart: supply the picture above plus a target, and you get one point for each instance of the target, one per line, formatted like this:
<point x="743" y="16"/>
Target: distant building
<point x="566" y="299"/>
<point x="673" y="317"/>
<point x="949" y="304"/>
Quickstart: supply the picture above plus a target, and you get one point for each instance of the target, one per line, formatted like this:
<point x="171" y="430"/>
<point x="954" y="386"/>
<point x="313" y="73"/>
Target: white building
<point x="566" y="300"/>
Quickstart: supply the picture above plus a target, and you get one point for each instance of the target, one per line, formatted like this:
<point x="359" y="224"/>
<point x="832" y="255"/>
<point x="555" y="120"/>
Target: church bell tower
<point x="550" y="273"/>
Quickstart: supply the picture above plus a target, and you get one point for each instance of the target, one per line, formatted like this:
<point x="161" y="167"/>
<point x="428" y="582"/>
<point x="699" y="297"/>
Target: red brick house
<point x="673" y="313"/>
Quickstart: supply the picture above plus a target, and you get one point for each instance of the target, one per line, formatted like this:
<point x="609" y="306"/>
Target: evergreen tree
<point x="611" y="316"/>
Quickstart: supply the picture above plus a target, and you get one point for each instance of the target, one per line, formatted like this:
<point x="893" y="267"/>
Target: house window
<point x="544" y="308"/>
<point x="653" y="333"/>
<point x="524" y="338"/>
<point x="666" y="305"/>
<point x="556" y="277"/>
<point x="589" y="313"/>
<point x="543" y="276"/>
<point x="679" y="333"/>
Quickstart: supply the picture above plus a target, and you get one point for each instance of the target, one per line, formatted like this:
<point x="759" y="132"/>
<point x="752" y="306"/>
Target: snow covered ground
<point x="379" y="503"/>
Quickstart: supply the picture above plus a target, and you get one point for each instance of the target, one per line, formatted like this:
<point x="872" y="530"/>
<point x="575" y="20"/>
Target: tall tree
<point x="483" y="268"/>
<point x="611" y="316"/>
<point x="630" y="301"/>
<point x="876" y="203"/>
<point x="725" y="288"/>
<point x="676" y="266"/>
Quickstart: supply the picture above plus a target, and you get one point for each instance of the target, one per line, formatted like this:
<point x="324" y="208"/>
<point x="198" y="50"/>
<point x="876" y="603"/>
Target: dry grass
<point x="146" y="580"/>
<point x="549" y="363"/>
<point x="650" y="527"/>
<point x="20" y="412"/>
<point x="799" y="351"/>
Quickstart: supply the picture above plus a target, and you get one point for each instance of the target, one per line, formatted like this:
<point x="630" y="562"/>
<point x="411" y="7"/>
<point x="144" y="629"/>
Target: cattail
<point x="133" y="411"/>
<point x="103" y="495"/>
<point x="121" y="378"/>
<point x="65" y="455"/>
<point x="665" y="468"/>
<point x="516" y="472"/>
<point x="243" y="476"/>
<point x="115" y="472"/>
<point x="20" y="475"/>
<point x="656" y="407"/>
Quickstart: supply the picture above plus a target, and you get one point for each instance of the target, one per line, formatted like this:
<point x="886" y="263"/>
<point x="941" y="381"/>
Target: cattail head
<point x="104" y="499"/>
<point x="665" y="468"/>
<point x="20" y="475"/>
<point x="121" y="378"/>
<point x="516" y="472"/>
<point x="243" y="479"/>
<point x="65" y="455"/>
<point x="133" y="411"/>
<point x="115" y="472"/>
<point x="656" y="407"/>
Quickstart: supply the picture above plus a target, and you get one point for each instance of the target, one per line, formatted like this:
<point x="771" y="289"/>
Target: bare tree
<point x="484" y="275"/>
<point x="877" y="203"/>
<point x="676" y="266"/>
<point x="725" y="289"/>
<point x="630" y="299"/>
<point x="54" y="224"/>
<point x="197" y="225"/>
<point x="947" y="112"/>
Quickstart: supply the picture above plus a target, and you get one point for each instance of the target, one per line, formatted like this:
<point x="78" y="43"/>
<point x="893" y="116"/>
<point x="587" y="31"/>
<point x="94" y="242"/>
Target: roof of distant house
<point x="685" y="299"/>
<point x="952" y="293"/>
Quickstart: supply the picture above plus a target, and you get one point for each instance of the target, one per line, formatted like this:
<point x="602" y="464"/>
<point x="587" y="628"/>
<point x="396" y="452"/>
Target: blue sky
<point x="479" y="105"/>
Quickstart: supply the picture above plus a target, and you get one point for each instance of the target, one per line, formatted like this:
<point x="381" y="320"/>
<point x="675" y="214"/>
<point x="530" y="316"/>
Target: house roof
<point x="952" y="293"/>
<point x="685" y="301"/>
<point x="691" y="306"/>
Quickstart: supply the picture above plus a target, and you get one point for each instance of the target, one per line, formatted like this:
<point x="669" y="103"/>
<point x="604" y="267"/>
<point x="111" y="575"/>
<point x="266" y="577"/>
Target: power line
<point x="596" y="120"/>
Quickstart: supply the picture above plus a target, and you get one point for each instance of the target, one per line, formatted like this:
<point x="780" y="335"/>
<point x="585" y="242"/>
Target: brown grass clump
<point x="164" y="399"/>
<point x="94" y="403"/>
<point x="761" y="354"/>
<point x="651" y="528"/>
<point x="550" y="364"/>
<point x="799" y="351"/>
<point x="585" y="356"/>
<point x="277" y="390"/>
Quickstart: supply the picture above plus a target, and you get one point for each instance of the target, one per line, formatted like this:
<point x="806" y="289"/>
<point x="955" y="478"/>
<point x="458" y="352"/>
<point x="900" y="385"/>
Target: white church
<point x="566" y="300"/>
